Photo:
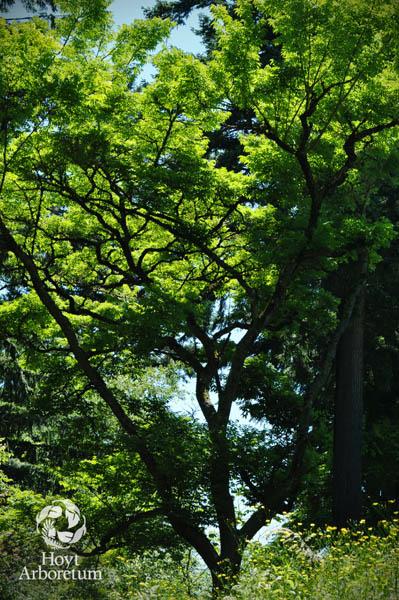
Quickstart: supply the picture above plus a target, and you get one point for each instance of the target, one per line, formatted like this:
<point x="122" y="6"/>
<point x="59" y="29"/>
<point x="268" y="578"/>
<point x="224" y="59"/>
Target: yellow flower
<point x="331" y="528"/>
<point x="362" y="521"/>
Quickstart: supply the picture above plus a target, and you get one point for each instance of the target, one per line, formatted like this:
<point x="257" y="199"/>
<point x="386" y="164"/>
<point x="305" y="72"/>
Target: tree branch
<point x="120" y="529"/>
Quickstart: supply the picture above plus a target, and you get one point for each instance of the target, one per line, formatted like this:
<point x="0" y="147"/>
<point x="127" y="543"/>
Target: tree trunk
<point x="347" y="469"/>
<point x="224" y="579"/>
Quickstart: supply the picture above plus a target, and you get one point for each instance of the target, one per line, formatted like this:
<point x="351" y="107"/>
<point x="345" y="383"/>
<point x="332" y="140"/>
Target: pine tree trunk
<point x="348" y="422"/>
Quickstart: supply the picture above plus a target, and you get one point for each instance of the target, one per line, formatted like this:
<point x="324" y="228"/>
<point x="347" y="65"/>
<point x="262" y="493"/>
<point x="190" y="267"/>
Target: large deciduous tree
<point x="225" y="145"/>
<point x="133" y="250"/>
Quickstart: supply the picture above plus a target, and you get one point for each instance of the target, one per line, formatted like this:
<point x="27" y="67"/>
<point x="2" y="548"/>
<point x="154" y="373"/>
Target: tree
<point x="226" y="147"/>
<point x="381" y="458"/>
<point x="133" y="249"/>
<point x="348" y="421"/>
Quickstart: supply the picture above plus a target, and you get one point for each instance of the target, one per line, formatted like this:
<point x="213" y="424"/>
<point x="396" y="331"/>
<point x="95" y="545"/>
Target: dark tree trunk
<point x="348" y="422"/>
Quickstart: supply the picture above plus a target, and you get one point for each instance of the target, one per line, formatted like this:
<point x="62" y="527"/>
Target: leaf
<point x="51" y="512"/>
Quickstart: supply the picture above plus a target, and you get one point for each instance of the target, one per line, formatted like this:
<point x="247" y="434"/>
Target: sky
<point x="183" y="37"/>
<point x="125" y="11"/>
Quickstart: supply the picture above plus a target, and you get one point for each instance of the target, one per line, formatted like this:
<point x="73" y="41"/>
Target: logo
<point x="61" y="524"/>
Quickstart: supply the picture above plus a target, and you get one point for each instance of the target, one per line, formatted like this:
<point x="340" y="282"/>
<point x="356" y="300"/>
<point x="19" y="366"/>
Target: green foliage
<point x="315" y="564"/>
<point x="310" y="562"/>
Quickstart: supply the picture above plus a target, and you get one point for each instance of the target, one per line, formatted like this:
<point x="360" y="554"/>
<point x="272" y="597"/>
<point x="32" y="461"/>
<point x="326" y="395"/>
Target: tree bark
<point x="348" y="419"/>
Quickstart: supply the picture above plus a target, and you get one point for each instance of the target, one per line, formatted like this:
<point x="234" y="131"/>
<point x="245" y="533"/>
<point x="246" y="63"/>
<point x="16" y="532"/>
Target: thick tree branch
<point x="351" y="156"/>
<point x="255" y="522"/>
<point x="119" y="529"/>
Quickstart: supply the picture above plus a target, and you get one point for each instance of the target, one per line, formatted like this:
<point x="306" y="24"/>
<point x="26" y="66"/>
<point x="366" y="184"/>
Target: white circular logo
<point x="61" y="524"/>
